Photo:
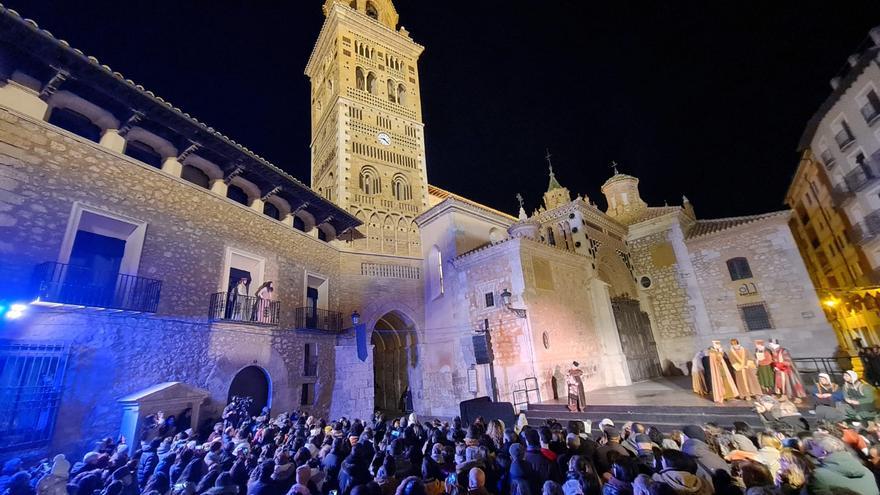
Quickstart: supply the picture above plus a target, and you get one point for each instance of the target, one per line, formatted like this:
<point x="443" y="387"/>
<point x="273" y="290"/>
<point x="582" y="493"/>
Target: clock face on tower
<point x="384" y="139"/>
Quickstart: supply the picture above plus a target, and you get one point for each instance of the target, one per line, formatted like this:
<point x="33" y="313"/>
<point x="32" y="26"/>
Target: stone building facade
<point x="99" y="175"/>
<point x="834" y="194"/>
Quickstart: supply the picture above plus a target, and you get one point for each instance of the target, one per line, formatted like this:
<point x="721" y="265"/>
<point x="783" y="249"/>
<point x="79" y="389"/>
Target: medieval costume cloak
<point x="788" y="380"/>
<point x="723" y="387"/>
<point x="698" y="377"/>
<point x="764" y="360"/>
<point x="576" y="397"/>
<point x="745" y="371"/>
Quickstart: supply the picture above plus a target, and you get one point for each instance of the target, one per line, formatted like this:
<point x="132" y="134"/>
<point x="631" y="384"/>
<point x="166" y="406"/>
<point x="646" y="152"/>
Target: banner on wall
<point x="361" y="336"/>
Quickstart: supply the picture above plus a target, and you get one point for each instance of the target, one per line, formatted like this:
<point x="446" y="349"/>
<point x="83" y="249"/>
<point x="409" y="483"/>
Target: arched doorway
<point x="394" y="356"/>
<point x="252" y="382"/>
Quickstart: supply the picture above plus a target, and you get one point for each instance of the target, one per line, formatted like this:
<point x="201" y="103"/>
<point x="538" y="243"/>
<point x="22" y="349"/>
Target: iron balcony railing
<point x="840" y="194"/>
<point x="84" y="286"/>
<point x="317" y="319"/>
<point x="810" y="367"/>
<point x="867" y="230"/>
<point x="228" y="306"/>
<point x="865" y="174"/>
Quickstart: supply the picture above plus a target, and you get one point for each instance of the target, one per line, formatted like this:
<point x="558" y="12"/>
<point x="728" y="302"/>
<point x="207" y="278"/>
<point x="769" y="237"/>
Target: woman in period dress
<point x="745" y="372"/>
<point x="576" y="397"/>
<point x="264" y="303"/>
<point x="723" y="387"/>
<point x="764" y="360"/>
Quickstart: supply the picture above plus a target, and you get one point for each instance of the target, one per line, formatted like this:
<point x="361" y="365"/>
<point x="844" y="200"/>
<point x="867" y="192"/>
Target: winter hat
<point x="61" y="466"/>
<point x="695" y="432"/>
<point x="852" y="375"/>
<point x="572" y="487"/>
<point x="515" y="451"/>
<point x="224" y="480"/>
<point x="825" y="376"/>
<point x="91" y="457"/>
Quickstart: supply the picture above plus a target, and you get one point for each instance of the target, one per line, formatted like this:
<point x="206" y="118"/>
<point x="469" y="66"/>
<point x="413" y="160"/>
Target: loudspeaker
<point x="482" y="353"/>
<point x="483" y="406"/>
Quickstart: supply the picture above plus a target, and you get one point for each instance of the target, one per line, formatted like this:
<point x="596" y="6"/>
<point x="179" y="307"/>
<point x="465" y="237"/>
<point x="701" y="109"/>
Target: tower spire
<point x="554" y="184"/>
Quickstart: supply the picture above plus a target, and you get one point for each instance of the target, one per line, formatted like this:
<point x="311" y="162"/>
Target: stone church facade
<point x="126" y="225"/>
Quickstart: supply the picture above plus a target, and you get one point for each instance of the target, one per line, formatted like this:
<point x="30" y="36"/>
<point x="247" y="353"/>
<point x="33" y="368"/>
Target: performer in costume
<point x="745" y="371"/>
<point x="764" y="360"/>
<point x="576" y="396"/>
<point x="698" y="377"/>
<point x="788" y="380"/>
<point x="723" y="387"/>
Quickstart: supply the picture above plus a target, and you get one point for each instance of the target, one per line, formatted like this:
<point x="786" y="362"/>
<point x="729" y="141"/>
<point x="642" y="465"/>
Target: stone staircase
<point x="664" y="417"/>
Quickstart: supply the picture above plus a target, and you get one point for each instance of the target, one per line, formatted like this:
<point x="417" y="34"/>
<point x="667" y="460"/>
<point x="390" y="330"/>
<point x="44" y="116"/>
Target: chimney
<point x="875" y="35"/>
<point x="835" y="82"/>
<point x="853" y="60"/>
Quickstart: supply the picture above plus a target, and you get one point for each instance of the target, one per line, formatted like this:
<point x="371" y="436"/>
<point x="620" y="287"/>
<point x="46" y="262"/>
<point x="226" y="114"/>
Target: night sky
<point x="705" y="100"/>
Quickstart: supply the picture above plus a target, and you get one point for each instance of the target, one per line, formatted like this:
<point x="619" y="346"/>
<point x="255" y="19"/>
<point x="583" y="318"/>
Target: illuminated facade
<point x="834" y="194"/>
<point x="144" y="241"/>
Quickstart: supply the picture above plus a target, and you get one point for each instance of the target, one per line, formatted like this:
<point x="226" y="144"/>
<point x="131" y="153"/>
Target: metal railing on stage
<point x="526" y="393"/>
<point x="810" y="367"/>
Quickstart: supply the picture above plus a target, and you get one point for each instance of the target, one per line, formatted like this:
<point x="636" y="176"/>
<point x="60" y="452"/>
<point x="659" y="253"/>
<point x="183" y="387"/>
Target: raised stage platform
<point x="668" y="403"/>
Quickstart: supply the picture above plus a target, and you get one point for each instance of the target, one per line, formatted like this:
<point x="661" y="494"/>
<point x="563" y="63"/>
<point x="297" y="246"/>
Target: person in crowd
<point x="857" y="394"/>
<point x="837" y="468"/>
<point x="297" y="454"/>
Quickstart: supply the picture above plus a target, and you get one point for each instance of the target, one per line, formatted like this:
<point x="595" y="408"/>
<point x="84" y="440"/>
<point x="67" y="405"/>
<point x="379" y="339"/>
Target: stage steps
<point x="664" y="417"/>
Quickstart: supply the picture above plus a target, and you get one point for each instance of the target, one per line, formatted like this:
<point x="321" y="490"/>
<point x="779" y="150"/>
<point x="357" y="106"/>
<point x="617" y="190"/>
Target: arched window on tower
<point x="401" y="94"/>
<point x="372" y="87"/>
<point x="360" y="79"/>
<point x="372" y="11"/>
<point x="392" y="92"/>
<point x="400" y="188"/>
<point x="369" y="181"/>
<point x="551" y="238"/>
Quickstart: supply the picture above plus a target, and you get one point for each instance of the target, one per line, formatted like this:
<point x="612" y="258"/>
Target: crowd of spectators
<point x="297" y="454"/>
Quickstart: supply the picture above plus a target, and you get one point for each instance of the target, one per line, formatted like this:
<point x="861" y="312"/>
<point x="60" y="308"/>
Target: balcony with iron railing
<point x="308" y="318"/>
<point x="235" y="308"/>
<point x="867" y="230"/>
<point x="864" y="175"/>
<point x="59" y="283"/>
<point x="841" y="194"/>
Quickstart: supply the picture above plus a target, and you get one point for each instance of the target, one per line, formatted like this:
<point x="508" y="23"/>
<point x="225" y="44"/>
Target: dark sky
<point x="704" y="98"/>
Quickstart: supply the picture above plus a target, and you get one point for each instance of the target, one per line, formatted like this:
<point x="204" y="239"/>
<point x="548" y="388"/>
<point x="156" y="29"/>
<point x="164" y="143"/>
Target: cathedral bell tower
<point x="368" y="145"/>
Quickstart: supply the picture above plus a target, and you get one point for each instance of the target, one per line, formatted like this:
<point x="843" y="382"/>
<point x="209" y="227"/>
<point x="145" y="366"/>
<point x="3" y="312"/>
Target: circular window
<point x="646" y="282"/>
<point x="571" y="215"/>
<point x="574" y="230"/>
<point x="546" y="339"/>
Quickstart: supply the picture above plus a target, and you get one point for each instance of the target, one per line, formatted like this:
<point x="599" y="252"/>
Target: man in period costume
<point x="576" y="396"/>
<point x="238" y="299"/>
<point x="788" y="380"/>
<point x="764" y="360"/>
<point x="723" y="387"/>
<point x="745" y="371"/>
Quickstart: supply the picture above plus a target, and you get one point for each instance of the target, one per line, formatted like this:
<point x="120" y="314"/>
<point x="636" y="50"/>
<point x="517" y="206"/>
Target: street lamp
<point x="505" y="299"/>
<point x="355" y="318"/>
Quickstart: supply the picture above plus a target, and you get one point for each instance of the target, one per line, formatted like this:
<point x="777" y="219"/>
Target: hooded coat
<point x="842" y="470"/>
<point x="707" y="460"/>
<point x="684" y="483"/>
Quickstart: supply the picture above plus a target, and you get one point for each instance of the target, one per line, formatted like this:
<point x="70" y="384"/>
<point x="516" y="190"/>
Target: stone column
<point x="287" y="220"/>
<point x="23" y="100"/>
<point x="111" y="140"/>
<point x="219" y="187"/>
<point x="172" y="167"/>
<point x="353" y="388"/>
<point x="615" y="369"/>
<point x="258" y="204"/>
